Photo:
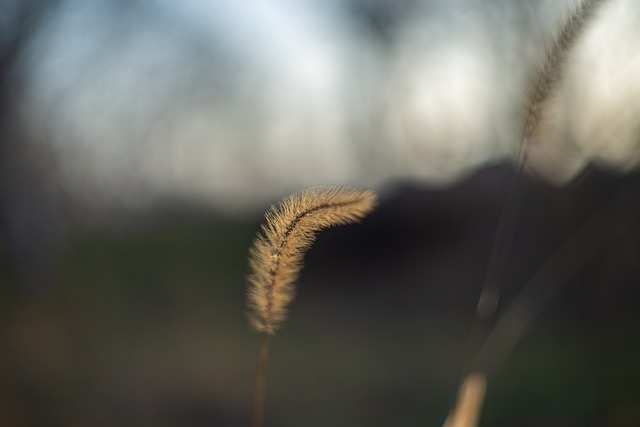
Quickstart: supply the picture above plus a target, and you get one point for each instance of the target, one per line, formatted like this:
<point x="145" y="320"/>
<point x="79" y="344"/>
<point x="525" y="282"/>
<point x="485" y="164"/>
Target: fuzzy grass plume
<point x="550" y="71"/>
<point x="276" y="260"/>
<point x="276" y="256"/>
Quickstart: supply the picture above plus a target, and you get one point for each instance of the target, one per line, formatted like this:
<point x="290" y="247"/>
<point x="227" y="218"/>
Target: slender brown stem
<point x="503" y="239"/>
<point x="261" y="381"/>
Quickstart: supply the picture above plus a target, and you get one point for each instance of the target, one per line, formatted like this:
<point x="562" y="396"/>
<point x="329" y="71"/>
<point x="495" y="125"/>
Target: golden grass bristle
<point x="550" y="72"/>
<point x="466" y="412"/>
<point x="276" y="256"/>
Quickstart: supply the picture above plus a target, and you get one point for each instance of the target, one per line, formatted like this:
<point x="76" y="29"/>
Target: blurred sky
<point x="230" y="104"/>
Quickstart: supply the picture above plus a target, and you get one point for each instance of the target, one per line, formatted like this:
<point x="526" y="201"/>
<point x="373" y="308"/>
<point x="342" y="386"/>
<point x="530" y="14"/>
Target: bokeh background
<point x="142" y="141"/>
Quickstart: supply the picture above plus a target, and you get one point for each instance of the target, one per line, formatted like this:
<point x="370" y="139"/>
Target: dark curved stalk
<point x="590" y="240"/>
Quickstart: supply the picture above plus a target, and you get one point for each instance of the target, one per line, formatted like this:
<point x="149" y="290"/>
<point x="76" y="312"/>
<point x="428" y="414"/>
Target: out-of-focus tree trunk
<point x="30" y="221"/>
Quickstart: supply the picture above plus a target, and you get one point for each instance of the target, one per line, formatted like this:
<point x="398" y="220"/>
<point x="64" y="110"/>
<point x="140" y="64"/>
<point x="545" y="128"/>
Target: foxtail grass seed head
<point x="276" y="257"/>
<point x="550" y="70"/>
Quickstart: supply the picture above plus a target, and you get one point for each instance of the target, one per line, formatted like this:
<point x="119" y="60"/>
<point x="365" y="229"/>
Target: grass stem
<point x="257" y="418"/>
